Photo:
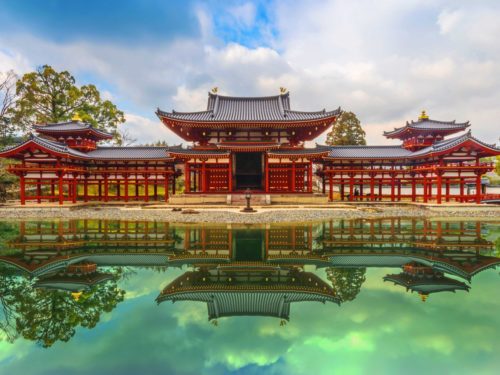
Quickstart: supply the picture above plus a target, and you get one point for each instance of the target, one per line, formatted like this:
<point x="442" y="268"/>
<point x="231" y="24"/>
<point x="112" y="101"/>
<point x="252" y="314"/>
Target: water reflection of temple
<point x="269" y="251"/>
<point x="248" y="289"/>
<point x="425" y="280"/>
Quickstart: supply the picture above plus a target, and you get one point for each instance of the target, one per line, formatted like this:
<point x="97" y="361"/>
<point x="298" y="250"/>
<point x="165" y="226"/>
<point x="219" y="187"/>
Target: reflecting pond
<point x="122" y="297"/>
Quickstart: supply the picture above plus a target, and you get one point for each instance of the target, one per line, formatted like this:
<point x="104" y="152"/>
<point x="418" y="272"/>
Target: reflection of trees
<point x="50" y="315"/>
<point x="346" y="281"/>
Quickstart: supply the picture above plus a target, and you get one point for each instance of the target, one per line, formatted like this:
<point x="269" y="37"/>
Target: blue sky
<point x="384" y="60"/>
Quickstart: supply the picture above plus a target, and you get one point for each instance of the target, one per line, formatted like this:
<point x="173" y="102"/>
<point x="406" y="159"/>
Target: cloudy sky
<point x="385" y="60"/>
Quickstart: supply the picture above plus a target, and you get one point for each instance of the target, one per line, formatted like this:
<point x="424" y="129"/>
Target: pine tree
<point x="346" y="131"/>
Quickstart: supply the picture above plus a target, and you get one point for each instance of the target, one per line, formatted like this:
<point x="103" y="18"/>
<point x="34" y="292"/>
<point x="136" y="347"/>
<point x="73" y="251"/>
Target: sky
<point x="384" y="60"/>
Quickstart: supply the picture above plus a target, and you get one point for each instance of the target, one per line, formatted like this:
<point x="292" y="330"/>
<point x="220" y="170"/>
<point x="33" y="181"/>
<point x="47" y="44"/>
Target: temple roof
<point x="58" y="147"/>
<point x="249" y="109"/>
<point x="71" y="127"/>
<point x="425" y="124"/>
<point x="427" y="284"/>
<point x="453" y="142"/>
<point x="101" y="153"/>
<point x="319" y="150"/>
<point x="368" y="152"/>
<point x="131" y="152"/>
<point x="227" y="297"/>
<point x="72" y="283"/>
<point x="398" y="152"/>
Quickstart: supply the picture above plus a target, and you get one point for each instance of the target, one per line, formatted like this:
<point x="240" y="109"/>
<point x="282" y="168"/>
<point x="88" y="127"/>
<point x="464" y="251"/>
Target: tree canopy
<point x="50" y="315"/>
<point x="346" y="281"/>
<point x="346" y="131"/>
<point x="7" y="101"/>
<point x="47" y="96"/>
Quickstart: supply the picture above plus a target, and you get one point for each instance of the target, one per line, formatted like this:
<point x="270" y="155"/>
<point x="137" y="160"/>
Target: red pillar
<point x="166" y="186"/>
<point x="60" y="187"/>
<point x="85" y="189"/>
<point x="439" y="185"/>
<point x="22" y="188"/>
<point x="106" y="187"/>
<point x="399" y="189"/>
<point x="392" y="187"/>
<point x="447" y="190"/>
<point x="478" y="187"/>
<point x="203" y="177"/>
<point x="187" y="178"/>
<point x="330" y="187"/>
<point x="174" y="180"/>
<point x="52" y="190"/>
<point x="372" y="187"/>
<point x="125" y="186"/>
<point x="462" y="185"/>
<point x="230" y="174"/>
<point x="413" y="189"/>
<point x="380" y="184"/>
<point x="310" y="176"/>
<point x="425" y="188"/>
<point x="38" y="190"/>
<point x="146" y="187"/>
<point x="293" y="176"/>
<point x="351" y="187"/>
<point x="74" y="186"/>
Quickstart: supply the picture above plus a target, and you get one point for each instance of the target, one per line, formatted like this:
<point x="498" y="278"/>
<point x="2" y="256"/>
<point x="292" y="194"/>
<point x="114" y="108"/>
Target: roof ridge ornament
<point x="76" y="117"/>
<point x="423" y="116"/>
<point x="215" y="90"/>
<point x="283" y="90"/>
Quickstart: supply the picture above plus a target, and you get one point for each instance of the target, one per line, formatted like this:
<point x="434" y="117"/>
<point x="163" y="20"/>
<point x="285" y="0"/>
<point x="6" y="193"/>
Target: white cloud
<point x="386" y="62"/>
<point x="146" y="130"/>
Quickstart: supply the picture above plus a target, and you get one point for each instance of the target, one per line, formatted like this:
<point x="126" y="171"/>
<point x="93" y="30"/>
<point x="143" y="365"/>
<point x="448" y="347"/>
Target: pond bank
<point x="263" y="215"/>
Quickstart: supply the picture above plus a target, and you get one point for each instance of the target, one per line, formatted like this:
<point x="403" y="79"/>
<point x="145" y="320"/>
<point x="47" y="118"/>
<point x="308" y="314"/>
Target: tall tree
<point x="50" y="315"/>
<point x="46" y="96"/>
<point x="7" y="101"/>
<point x="346" y="281"/>
<point x="346" y="131"/>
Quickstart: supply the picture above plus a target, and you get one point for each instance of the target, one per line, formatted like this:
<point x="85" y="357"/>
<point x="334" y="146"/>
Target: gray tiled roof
<point x="51" y="145"/>
<point x="70" y="126"/>
<point x="267" y="108"/>
<point x="106" y="153"/>
<point x="130" y="153"/>
<point x="368" y="152"/>
<point x="300" y="151"/>
<point x="195" y="151"/>
<point x="428" y="124"/>
<point x="425" y="284"/>
<point x="450" y="143"/>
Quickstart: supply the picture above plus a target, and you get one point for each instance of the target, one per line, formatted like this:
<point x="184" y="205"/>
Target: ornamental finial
<point x="215" y="90"/>
<point x="423" y="116"/>
<point x="283" y="90"/>
<point x="423" y="297"/>
<point x="76" y="117"/>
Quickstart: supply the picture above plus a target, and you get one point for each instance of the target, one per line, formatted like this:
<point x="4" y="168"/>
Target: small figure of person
<point x="356" y="194"/>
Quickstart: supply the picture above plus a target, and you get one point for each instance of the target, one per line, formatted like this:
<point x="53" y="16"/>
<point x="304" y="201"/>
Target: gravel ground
<point x="232" y="215"/>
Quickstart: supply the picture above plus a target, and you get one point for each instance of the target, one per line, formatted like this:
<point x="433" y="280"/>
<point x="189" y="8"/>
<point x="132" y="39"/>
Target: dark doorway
<point x="248" y="244"/>
<point x="248" y="171"/>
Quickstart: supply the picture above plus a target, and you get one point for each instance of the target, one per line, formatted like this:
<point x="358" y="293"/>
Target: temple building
<point x="247" y="289"/>
<point x="425" y="280"/>
<point x="255" y="143"/>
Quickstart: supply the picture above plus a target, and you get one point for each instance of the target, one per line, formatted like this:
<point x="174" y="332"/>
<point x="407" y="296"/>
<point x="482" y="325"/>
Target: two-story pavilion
<point x="255" y="143"/>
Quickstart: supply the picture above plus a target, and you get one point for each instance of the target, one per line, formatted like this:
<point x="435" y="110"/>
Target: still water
<point x="363" y="296"/>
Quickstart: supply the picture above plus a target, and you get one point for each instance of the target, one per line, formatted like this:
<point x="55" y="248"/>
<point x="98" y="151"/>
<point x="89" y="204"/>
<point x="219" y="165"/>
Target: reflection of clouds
<point x="379" y="331"/>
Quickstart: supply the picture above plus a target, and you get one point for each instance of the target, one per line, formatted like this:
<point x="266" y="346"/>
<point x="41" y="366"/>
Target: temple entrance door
<point x="248" y="244"/>
<point x="248" y="170"/>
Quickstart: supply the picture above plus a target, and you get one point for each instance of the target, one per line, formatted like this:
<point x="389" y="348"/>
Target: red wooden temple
<point x="255" y="143"/>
